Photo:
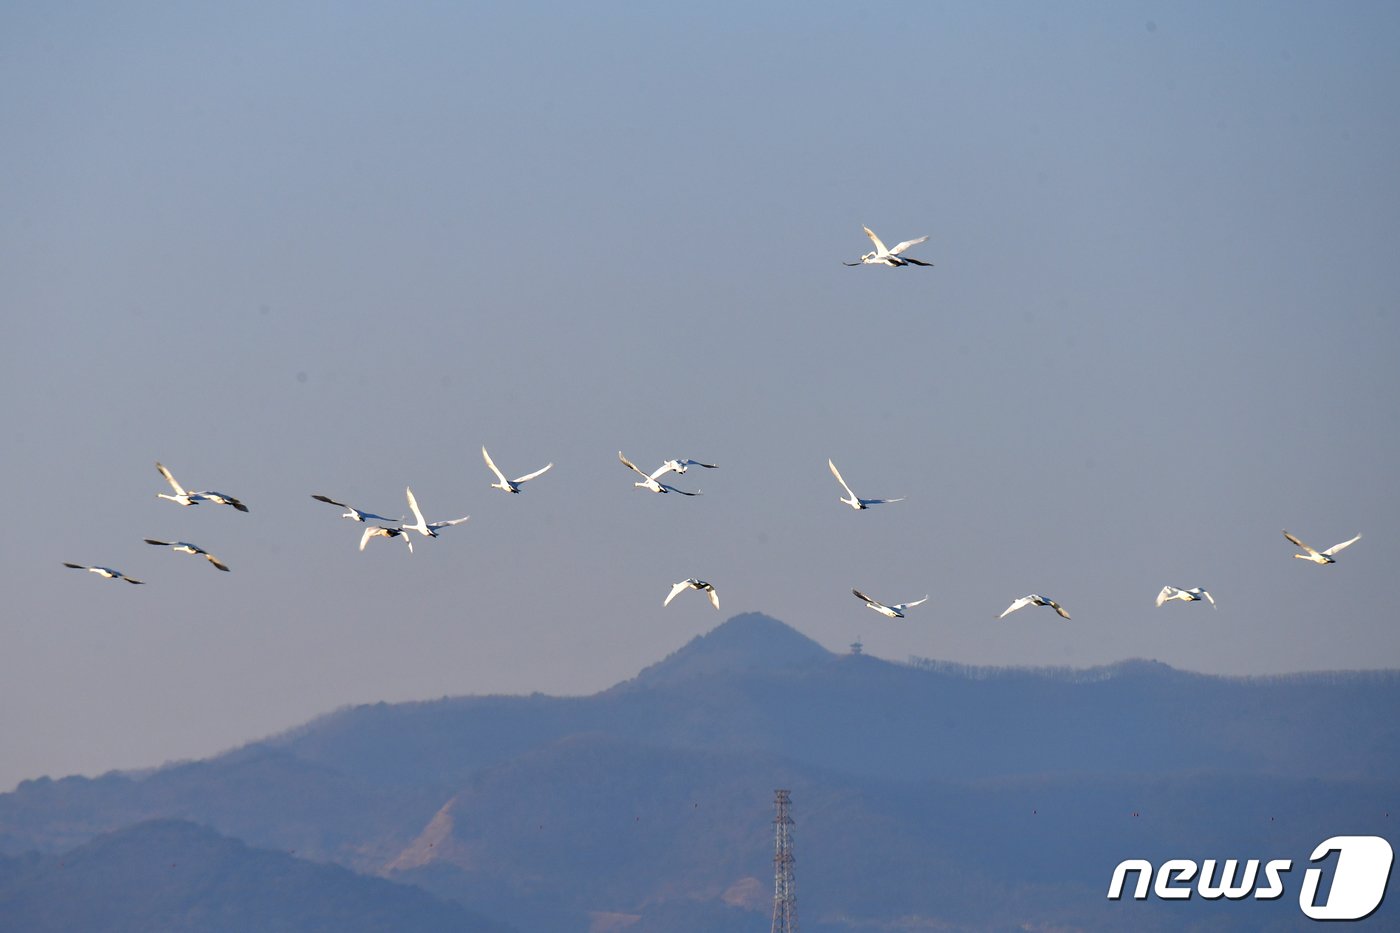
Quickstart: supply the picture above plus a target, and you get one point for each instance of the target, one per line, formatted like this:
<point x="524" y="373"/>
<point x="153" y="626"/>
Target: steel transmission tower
<point x="784" y="890"/>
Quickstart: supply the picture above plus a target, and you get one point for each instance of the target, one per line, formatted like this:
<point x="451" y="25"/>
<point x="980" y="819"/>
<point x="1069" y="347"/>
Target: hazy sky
<point x="338" y="247"/>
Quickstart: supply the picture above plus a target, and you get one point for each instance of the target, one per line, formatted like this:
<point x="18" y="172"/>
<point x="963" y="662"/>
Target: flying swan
<point x="852" y="499"/>
<point x="894" y="612"/>
<point x="649" y="482"/>
<point x="106" y="572"/>
<point x="1194" y="594"/>
<point x="509" y="485"/>
<point x="184" y="547"/>
<point x="1320" y="557"/>
<point x="693" y="584"/>
<point x="1034" y="599"/>
<point x="888" y="257"/>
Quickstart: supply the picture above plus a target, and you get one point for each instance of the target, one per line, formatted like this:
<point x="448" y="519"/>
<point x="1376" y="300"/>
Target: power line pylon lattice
<point x="784" y="889"/>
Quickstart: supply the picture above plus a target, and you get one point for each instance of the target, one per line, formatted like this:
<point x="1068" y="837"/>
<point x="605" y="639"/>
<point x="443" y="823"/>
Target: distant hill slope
<point x="592" y="825"/>
<point x="925" y="790"/>
<point x="174" y="877"/>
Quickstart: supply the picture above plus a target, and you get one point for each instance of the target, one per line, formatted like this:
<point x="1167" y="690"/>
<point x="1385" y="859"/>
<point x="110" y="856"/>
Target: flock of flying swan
<point x="180" y="496"/>
<point x="402" y="528"/>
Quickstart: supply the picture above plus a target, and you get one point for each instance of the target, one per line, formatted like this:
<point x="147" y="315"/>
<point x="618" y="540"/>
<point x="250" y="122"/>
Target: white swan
<point x="380" y="531"/>
<point x="1034" y="599"/>
<point x="107" y="572"/>
<point x="184" y="547"/>
<point x="219" y="498"/>
<point x="1320" y="557"/>
<point x="509" y="485"/>
<point x="1188" y="596"/>
<point x="181" y="497"/>
<point x="185" y="497"/>
<point x="693" y="584"/>
<point x="852" y="499"/>
<point x="649" y="481"/>
<point x="427" y="529"/>
<point x="888" y="257"/>
<point x="894" y="612"/>
<point x="351" y="512"/>
<point x="681" y="464"/>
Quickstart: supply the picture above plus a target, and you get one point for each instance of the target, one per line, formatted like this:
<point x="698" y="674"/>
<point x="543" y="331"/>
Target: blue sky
<point x="337" y="248"/>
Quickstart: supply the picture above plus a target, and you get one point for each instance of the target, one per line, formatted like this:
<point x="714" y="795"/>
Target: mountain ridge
<point x="649" y="803"/>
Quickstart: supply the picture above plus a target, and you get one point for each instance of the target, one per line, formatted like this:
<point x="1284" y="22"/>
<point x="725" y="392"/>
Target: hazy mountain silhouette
<point x="924" y="793"/>
<point x="746" y="644"/>
<point x="175" y="876"/>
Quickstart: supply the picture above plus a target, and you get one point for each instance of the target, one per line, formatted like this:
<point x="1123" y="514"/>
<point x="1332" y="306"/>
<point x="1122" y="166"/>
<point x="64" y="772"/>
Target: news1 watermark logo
<point x="1359" y="875"/>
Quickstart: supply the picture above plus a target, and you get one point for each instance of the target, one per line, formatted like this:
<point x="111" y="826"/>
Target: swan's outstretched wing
<point x="1058" y="608"/>
<point x="1201" y="591"/>
<point x="872" y="603"/>
<point x="879" y="247"/>
<point x="218" y="564"/>
<point x="320" y="498"/>
<point x="1337" y="547"/>
<point x="179" y="490"/>
<point x="879" y="501"/>
<point x="434" y="526"/>
<point x="631" y="466"/>
<point x="1298" y="543"/>
<point x="675" y="589"/>
<point x="681" y="491"/>
<point x="529" y="476"/>
<point x="413" y="505"/>
<point x="917" y="262"/>
<point x="714" y="597"/>
<point x="837" y="473"/>
<point x="492" y="464"/>
<point x="900" y="607"/>
<point x="906" y="244"/>
<point x="1021" y="603"/>
<point x="1167" y="593"/>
